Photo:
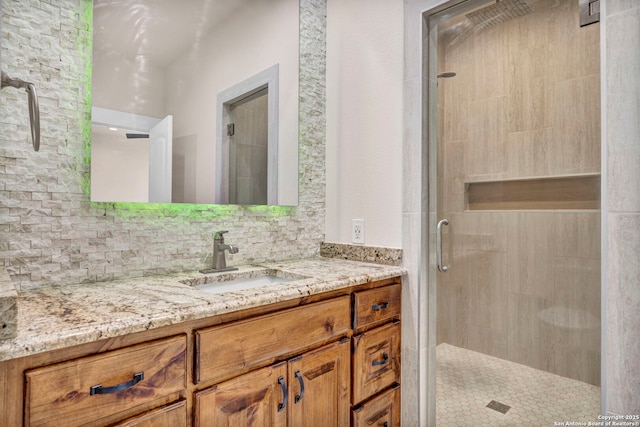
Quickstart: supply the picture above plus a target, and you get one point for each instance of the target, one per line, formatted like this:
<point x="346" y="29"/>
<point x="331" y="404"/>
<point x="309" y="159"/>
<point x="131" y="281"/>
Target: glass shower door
<point x="514" y="202"/>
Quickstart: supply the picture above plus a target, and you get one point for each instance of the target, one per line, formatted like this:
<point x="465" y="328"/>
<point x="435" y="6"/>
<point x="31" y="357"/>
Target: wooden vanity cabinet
<point x="330" y="359"/>
<point x="309" y="390"/>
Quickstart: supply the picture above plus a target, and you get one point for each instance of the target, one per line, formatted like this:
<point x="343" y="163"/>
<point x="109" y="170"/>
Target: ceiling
<point x="157" y="30"/>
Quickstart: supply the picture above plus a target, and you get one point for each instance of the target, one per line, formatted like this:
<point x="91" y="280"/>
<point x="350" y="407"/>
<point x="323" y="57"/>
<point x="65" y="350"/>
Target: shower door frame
<point x="421" y="57"/>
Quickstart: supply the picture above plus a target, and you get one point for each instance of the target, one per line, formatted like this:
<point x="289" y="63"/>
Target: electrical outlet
<point x="357" y="231"/>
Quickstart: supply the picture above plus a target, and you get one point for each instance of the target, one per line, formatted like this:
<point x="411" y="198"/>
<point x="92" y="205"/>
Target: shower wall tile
<point x="576" y="125"/>
<point x="530" y="153"/>
<point x="530" y="251"/>
<point x="478" y="231"/>
<point x="623" y="313"/>
<point x="577" y="288"/>
<point x="487" y="285"/>
<point x="487" y="341"/>
<point x="577" y="235"/>
<point x="488" y="53"/>
<point x="484" y="151"/>
<point x="453" y="324"/>
<point x="530" y="91"/>
<point x="456" y="114"/>
<point x="526" y="332"/>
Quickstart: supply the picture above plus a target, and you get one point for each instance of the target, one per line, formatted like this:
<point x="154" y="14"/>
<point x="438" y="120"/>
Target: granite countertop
<point x="56" y="317"/>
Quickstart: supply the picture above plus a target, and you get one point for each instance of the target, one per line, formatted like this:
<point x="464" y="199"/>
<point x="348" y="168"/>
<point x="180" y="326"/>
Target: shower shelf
<point x="541" y="193"/>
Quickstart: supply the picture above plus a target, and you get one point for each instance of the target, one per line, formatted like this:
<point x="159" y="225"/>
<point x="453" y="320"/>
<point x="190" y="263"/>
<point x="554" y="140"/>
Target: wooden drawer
<point x="382" y="411"/>
<point x="65" y="393"/>
<point x="376" y="306"/>
<point x="174" y="415"/>
<point x="376" y="361"/>
<point x="220" y="353"/>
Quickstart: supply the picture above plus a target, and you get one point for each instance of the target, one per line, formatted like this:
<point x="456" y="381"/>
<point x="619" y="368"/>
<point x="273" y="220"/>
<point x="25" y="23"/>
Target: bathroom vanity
<point x="319" y="350"/>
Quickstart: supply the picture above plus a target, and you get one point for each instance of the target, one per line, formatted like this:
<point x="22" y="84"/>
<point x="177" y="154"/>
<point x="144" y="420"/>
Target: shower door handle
<point x="442" y="268"/>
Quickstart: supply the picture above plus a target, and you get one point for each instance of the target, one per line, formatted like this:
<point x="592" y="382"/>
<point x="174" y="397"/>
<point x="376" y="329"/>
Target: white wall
<point x="124" y="85"/>
<point x="364" y="120"/>
<point x="119" y="168"/>
<point x="263" y="34"/>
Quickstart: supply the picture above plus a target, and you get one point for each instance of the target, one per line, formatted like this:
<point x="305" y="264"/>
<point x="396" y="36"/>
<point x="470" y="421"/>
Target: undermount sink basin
<point x="255" y="279"/>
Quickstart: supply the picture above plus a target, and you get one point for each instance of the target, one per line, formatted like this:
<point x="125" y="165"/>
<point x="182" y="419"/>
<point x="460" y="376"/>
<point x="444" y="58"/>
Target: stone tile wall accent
<point x="374" y="254"/>
<point x="50" y="233"/>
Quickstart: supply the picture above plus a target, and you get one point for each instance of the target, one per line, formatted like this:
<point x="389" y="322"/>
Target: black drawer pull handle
<point x="98" y="389"/>
<point x="301" y="381"/>
<point x="385" y="359"/>
<point x="378" y="307"/>
<point x="386" y="424"/>
<point x="285" y="393"/>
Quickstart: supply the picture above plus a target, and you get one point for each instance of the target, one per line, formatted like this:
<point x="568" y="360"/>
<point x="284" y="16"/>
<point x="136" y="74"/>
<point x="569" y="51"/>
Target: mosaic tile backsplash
<point x="50" y="233"/>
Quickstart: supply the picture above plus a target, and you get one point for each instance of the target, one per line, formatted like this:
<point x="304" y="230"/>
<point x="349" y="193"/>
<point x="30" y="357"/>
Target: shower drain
<point x="497" y="406"/>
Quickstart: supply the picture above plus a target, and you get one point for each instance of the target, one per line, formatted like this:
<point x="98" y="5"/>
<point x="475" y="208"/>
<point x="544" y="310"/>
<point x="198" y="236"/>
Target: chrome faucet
<point x="219" y="261"/>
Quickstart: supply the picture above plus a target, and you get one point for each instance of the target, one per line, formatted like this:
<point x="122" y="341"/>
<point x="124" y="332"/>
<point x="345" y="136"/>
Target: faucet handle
<point x="219" y="235"/>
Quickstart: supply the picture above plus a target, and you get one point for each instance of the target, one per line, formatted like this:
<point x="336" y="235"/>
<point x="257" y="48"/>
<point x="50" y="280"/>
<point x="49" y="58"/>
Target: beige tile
<point x="486" y="286"/>
<point x="531" y="237"/>
<point x="456" y="103"/>
<point x="453" y="186"/>
<point x="576" y="125"/>
<point x="530" y="153"/>
<point x="528" y="343"/>
<point x="487" y="341"/>
<point x="489" y="62"/>
<point x="452" y="323"/>
<point x="478" y="231"/>
<point x="542" y="27"/>
<point x="577" y="288"/>
<point x="484" y="151"/>
<point x="529" y="89"/>
<point x="577" y="234"/>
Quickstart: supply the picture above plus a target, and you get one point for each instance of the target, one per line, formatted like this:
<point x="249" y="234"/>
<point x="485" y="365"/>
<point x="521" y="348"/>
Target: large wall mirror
<point x="195" y="101"/>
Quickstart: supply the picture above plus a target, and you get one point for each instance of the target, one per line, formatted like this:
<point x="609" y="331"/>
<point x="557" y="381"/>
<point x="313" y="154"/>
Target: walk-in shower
<point x="516" y="136"/>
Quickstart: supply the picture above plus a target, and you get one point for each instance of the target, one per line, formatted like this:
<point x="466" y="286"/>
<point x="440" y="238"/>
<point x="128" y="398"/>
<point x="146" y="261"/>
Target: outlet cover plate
<point x="357" y="231"/>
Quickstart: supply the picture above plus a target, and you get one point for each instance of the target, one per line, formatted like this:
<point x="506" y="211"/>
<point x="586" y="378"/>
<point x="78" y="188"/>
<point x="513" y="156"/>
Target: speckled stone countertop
<point x="56" y="317"/>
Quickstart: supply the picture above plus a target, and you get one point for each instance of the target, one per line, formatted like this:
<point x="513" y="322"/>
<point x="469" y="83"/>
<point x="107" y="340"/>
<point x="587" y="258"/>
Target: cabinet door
<point x="319" y="387"/>
<point x="258" y="398"/>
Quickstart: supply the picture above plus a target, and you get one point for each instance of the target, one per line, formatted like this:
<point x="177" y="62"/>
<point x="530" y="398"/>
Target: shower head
<point x="446" y="75"/>
<point x="501" y="11"/>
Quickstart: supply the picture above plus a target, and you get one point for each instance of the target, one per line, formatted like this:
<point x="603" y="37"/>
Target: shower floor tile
<point x="467" y="381"/>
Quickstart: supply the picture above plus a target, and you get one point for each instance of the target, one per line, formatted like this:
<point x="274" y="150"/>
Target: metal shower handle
<point x="442" y="268"/>
<point x="34" y="107"/>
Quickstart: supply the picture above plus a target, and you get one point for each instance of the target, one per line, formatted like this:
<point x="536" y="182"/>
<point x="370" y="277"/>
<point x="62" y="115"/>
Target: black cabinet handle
<point x="385" y="359"/>
<point x="98" y="389"/>
<point x="378" y="307"/>
<point x="386" y="424"/>
<point x="301" y="381"/>
<point x="284" y="393"/>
